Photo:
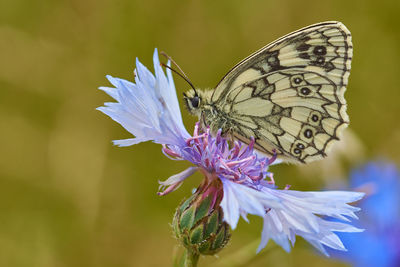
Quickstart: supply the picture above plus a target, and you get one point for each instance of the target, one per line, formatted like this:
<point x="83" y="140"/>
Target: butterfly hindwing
<point x="290" y="94"/>
<point x="299" y="114"/>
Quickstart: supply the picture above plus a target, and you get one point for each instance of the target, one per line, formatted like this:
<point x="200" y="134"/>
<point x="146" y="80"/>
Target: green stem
<point x="191" y="258"/>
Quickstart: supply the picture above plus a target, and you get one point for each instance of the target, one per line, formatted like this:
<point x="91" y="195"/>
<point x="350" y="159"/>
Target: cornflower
<point x="236" y="182"/>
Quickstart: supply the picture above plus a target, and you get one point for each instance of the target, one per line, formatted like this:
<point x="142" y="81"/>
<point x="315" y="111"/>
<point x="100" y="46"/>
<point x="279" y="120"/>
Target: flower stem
<point x="190" y="258"/>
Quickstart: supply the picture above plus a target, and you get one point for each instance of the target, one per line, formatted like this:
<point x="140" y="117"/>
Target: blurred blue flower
<point x="379" y="245"/>
<point x="149" y="110"/>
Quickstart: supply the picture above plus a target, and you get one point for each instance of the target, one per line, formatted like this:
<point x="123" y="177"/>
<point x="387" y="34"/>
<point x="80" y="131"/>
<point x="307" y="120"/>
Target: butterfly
<point x="288" y="96"/>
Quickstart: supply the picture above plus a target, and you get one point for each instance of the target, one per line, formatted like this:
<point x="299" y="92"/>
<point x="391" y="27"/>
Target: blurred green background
<point x="70" y="198"/>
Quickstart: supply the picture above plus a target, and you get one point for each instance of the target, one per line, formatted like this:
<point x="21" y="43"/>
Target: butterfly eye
<point x="195" y="101"/>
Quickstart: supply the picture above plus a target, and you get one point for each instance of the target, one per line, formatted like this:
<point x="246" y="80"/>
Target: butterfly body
<point x="288" y="96"/>
<point x="208" y="112"/>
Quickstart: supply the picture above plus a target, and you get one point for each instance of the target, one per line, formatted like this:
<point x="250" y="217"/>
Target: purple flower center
<point x="231" y="160"/>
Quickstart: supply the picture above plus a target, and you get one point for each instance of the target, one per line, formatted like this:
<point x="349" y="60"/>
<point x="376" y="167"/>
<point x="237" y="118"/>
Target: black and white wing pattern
<point x="289" y="95"/>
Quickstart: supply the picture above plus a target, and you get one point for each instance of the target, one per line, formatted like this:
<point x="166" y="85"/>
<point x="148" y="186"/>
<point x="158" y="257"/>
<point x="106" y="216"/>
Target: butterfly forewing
<point x="290" y="94"/>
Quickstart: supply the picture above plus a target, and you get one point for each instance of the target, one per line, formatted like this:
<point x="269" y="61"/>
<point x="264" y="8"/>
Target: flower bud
<point x="198" y="221"/>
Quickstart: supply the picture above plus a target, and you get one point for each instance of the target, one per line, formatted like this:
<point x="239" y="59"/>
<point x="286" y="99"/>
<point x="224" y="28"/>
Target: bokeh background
<point x="70" y="198"/>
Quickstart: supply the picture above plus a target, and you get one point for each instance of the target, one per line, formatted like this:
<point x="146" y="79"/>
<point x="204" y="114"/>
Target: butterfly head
<point x="193" y="100"/>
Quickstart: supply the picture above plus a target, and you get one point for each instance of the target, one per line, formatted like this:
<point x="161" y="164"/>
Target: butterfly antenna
<point x="173" y="62"/>
<point x="181" y="73"/>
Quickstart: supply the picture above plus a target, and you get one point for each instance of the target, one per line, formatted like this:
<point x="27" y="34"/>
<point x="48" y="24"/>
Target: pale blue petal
<point x="123" y="118"/>
<point x="318" y="246"/>
<point x="299" y="217"/>
<point x="230" y="206"/>
<point x="129" y="142"/>
<point x="179" y="177"/>
<point x="175" y="181"/>
<point x="167" y="89"/>
<point x="144" y="76"/>
<point x="148" y="108"/>
<point x="110" y="91"/>
<point x="112" y="80"/>
<point x="241" y="199"/>
<point x="272" y="229"/>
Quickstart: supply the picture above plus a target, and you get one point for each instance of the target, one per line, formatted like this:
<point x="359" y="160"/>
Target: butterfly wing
<point x="290" y="94"/>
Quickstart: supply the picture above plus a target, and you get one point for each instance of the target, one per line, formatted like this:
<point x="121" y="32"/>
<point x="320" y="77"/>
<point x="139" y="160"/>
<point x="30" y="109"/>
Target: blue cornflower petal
<point x="298" y="216"/>
<point x="175" y="181"/>
<point x="379" y="245"/>
<point x="148" y="108"/>
<point x="240" y="199"/>
<point x="382" y="182"/>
